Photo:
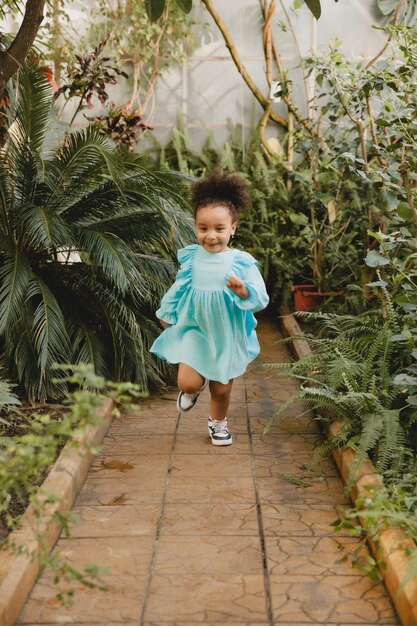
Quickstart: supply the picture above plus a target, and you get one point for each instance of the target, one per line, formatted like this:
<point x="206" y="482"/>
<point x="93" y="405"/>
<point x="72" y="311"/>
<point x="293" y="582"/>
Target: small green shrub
<point x="25" y="458"/>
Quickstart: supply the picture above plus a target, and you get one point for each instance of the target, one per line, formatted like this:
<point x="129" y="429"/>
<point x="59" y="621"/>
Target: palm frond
<point x="31" y="113"/>
<point x="114" y="258"/>
<point x="49" y="333"/>
<point x="15" y="275"/>
<point x="39" y="228"/>
<point x="87" y="347"/>
<point x="85" y="156"/>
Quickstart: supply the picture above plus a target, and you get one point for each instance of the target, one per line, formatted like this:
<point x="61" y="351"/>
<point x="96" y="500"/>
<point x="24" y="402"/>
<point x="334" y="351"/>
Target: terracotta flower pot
<point x="306" y="297"/>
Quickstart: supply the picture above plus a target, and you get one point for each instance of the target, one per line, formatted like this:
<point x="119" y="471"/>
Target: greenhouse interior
<point x="176" y="451"/>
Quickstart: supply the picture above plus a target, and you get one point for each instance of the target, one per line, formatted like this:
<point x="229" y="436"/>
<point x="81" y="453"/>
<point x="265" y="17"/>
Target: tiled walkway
<point x="195" y="534"/>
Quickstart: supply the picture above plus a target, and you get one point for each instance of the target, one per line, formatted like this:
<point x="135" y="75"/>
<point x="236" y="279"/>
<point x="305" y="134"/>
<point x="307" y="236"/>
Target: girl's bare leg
<point x="189" y="381"/>
<point x="220" y="399"/>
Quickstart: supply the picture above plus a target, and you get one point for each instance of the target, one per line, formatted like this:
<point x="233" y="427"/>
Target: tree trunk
<point x="12" y="58"/>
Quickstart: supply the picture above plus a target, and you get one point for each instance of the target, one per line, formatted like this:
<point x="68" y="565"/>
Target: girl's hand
<point x="164" y="324"/>
<point x="237" y="285"/>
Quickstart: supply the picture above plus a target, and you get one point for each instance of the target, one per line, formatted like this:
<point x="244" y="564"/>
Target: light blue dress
<point x="212" y="329"/>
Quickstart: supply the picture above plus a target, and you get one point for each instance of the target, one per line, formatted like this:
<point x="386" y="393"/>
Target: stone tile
<point x="121" y="602"/>
<point x="115" y="521"/>
<point x="126" y="467"/>
<point x="211" y="489"/>
<point x="127" y="562"/>
<point x="123" y="556"/>
<point x="211" y="467"/>
<point x="145" y="444"/>
<point x="111" y="492"/>
<point x="328" y="491"/>
<point x="284" y="443"/>
<point x="311" y="556"/>
<point x="206" y="554"/>
<point x="136" y="427"/>
<point x="214" y="518"/>
<point x="295" y="465"/>
<point x="267" y="408"/>
<point x="330" y="600"/>
<point x="289" y="422"/>
<point x="195" y="443"/>
<point x="299" y="520"/>
<point x="209" y="598"/>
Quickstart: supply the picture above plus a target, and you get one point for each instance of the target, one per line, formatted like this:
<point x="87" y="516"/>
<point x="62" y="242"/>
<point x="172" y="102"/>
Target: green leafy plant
<point x="87" y="237"/>
<point x="278" y="230"/>
<point x="155" y="8"/>
<point x="404" y="12"/>
<point x="25" y="457"/>
<point x="146" y="50"/>
<point x="394" y="506"/>
<point x="350" y="376"/>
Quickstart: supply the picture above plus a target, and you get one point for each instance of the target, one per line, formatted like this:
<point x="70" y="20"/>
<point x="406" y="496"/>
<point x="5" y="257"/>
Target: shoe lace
<point x="219" y="426"/>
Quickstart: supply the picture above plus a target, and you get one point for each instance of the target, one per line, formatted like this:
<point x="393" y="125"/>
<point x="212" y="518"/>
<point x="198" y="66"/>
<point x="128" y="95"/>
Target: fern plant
<point x="350" y="376"/>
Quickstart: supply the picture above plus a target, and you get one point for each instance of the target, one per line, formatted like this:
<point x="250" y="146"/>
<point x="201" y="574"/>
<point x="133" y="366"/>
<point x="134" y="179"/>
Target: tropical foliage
<point x="350" y="376"/>
<point x="87" y="236"/>
<point x="288" y="228"/>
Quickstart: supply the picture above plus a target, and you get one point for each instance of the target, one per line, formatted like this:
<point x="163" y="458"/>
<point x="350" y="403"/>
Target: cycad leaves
<point x="15" y="275"/>
<point x="31" y="115"/>
<point x="39" y="228"/>
<point x="49" y="332"/>
<point x="86" y="238"/>
<point x="109" y="253"/>
<point x="85" y="156"/>
<point x="87" y="348"/>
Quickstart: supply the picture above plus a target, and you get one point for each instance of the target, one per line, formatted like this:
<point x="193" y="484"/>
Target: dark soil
<point x="17" y="425"/>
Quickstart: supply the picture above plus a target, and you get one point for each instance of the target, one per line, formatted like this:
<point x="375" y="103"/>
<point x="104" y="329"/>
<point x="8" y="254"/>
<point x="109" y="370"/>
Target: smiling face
<point x="214" y="227"/>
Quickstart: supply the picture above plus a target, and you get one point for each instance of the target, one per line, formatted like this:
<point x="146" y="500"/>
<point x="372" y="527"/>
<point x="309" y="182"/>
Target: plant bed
<point x="39" y="527"/>
<point x="391" y="544"/>
<point x="14" y="427"/>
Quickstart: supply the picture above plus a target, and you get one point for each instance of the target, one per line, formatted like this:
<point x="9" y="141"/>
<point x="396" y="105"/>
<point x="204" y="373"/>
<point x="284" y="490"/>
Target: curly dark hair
<point x="224" y="189"/>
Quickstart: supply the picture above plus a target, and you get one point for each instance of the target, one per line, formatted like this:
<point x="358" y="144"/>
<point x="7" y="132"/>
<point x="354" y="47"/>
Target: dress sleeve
<point x="245" y="267"/>
<point x="168" y="309"/>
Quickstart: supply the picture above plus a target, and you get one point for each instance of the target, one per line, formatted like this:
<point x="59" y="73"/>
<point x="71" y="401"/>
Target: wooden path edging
<point x="18" y="573"/>
<point x="392" y="542"/>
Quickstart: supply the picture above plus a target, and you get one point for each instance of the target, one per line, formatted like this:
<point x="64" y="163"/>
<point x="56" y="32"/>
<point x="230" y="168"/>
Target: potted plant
<point x="324" y="230"/>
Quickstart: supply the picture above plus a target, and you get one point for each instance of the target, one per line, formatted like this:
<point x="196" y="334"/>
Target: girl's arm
<point x="249" y="293"/>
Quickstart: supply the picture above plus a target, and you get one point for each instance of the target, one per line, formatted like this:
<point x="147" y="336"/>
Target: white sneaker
<point x="219" y="433"/>
<point x="186" y="401"/>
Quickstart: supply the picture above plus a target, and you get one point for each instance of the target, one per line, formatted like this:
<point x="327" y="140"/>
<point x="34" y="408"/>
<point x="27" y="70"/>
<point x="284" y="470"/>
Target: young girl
<point x="207" y="314"/>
